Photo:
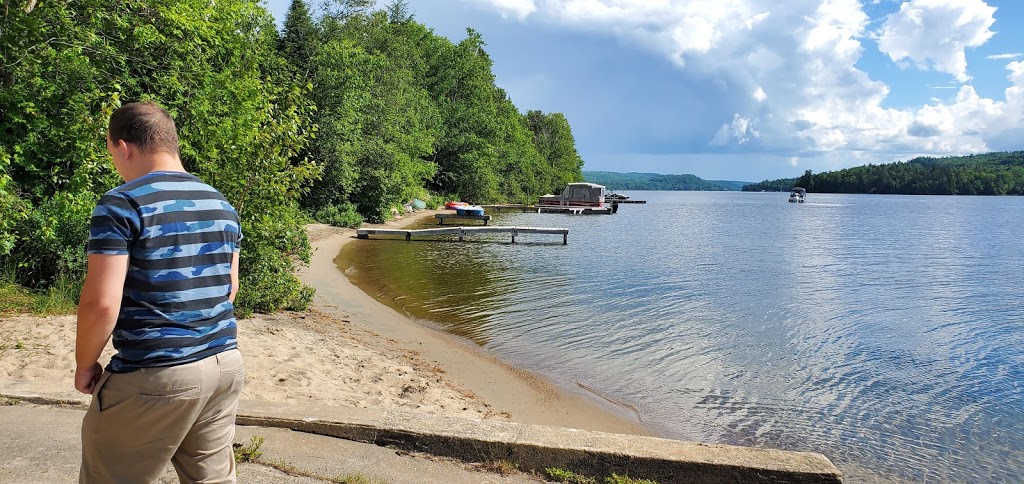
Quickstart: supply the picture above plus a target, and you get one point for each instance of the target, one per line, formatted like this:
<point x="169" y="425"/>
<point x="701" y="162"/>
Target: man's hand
<point x="86" y="378"/>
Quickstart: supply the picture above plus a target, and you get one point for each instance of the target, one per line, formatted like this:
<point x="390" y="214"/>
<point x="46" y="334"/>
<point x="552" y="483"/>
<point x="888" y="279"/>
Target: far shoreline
<point x="512" y="393"/>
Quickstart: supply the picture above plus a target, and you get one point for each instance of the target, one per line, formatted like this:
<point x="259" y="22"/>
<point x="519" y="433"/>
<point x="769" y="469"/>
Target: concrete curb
<point x="534" y="447"/>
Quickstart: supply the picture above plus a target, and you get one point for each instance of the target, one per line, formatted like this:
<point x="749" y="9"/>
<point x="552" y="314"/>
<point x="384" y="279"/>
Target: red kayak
<point x="455" y="205"/>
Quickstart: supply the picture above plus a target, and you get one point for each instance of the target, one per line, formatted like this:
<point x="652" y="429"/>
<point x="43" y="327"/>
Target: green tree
<point x="299" y="38"/>
<point x="66" y="66"/>
<point x="553" y="138"/>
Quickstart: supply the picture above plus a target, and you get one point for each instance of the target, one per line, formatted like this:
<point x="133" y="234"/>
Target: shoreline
<point x="512" y="393"/>
<point x="347" y="350"/>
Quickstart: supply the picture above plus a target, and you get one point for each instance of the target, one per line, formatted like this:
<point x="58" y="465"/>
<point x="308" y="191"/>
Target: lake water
<point x="886" y="332"/>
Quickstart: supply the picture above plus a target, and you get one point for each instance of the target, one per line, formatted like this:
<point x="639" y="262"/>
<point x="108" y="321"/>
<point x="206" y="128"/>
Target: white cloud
<point x="519" y="9"/>
<point x="759" y="94"/>
<point x="805" y="53"/>
<point x="935" y="33"/>
<point x="1003" y="56"/>
<point x="741" y="130"/>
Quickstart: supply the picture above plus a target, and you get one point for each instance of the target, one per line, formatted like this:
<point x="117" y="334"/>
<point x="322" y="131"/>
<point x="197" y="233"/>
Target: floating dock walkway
<point x="462" y="232"/>
<point x="441" y="217"/>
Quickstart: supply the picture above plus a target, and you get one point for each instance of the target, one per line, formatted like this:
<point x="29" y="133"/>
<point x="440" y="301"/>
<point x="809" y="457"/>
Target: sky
<point x="755" y="89"/>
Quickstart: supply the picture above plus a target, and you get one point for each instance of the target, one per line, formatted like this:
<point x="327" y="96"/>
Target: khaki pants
<point x="185" y="415"/>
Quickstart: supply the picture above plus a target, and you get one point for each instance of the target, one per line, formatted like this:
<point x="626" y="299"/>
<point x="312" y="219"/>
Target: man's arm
<point x="97" y="315"/>
<point x="234" y="278"/>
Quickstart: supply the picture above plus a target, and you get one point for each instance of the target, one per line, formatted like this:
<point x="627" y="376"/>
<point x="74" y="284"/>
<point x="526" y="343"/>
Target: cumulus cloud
<point x="519" y="9"/>
<point x="740" y="130"/>
<point x="934" y="34"/>
<point x="789" y="70"/>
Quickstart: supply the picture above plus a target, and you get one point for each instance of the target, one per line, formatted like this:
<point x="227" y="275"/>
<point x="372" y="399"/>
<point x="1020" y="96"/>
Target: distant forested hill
<point x="987" y="174"/>
<point x="655" y="181"/>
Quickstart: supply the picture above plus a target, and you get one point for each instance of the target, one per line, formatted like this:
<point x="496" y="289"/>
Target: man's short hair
<point x="145" y="125"/>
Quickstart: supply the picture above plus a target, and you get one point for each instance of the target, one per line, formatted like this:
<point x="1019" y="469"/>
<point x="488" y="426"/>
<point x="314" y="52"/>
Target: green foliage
<point x="617" y="479"/>
<point x="562" y="475"/>
<point x="66" y="66"/>
<point x="987" y="174"/>
<point x="554" y="140"/>
<point x="299" y="39"/>
<point x="53" y="236"/>
<point x="14" y="209"/>
<point x="376" y="124"/>
<point x="249" y="452"/>
<point x="358" y="108"/>
<point x="780" y="185"/>
<point x="14" y="298"/>
<point x="654" y="181"/>
<point x="344" y="215"/>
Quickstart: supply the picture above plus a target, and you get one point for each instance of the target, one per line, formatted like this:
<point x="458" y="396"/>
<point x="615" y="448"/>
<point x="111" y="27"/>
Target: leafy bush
<point x="343" y="215"/>
<point x="273" y="247"/>
<point x="50" y="241"/>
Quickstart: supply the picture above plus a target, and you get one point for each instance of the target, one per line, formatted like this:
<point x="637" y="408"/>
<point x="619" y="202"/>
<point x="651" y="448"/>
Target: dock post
<point x="462" y="235"/>
<point x="513" y="235"/>
<point x="408" y="236"/>
<point x="565" y="238"/>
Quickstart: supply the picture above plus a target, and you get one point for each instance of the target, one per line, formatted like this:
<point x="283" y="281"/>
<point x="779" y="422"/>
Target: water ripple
<point x="883" y="331"/>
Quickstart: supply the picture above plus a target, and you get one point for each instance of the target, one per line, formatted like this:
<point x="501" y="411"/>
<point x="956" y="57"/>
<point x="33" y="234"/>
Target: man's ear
<point x="126" y="150"/>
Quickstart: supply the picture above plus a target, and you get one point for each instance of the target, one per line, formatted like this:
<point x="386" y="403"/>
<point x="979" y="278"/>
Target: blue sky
<point x="755" y="89"/>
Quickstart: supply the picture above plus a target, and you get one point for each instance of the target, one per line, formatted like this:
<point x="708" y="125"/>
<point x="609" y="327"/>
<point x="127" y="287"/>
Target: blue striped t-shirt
<point x="180" y="235"/>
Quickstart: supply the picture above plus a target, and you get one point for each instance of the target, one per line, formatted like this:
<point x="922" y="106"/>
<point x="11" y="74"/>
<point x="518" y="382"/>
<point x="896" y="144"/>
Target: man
<point x="162" y="278"/>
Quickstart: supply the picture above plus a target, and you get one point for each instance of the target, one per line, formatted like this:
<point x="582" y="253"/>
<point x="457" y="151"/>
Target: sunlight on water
<point x="886" y="332"/>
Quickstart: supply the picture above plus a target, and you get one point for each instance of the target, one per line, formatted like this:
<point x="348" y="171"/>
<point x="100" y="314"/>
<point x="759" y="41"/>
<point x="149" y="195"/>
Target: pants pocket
<point x="169" y="393"/>
<point x="98" y="389"/>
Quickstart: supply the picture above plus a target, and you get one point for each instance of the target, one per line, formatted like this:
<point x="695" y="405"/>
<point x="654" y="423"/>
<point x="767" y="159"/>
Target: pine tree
<point x="299" y="39"/>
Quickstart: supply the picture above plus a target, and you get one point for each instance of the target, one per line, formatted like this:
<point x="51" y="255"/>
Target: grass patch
<point x="61" y="298"/>
<point x="351" y="478"/>
<point x="562" y="475"/>
<point x="617" y="479"/>
<point x="7" y="402"/>
<point x="250" y="452"/>
<point x="570" y="477"/>
<point x="501" y="466"/>
<point x="357" y="478"/>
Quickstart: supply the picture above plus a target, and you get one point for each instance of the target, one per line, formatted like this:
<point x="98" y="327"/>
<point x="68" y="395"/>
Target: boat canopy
<point x="802" y="191"/>
<point x="577" y="194"/>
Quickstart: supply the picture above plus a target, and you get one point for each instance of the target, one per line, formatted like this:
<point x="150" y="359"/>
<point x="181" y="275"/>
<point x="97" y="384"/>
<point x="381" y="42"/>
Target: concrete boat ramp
<point x="42" y="445"/>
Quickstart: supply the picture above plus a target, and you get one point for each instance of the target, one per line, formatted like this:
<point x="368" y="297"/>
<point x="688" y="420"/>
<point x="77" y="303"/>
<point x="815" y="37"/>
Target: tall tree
<point x="66" y="66"/>
<point x="553" y="137"/>
<point x="299" y="38"/>
<point x="398" y="12"/>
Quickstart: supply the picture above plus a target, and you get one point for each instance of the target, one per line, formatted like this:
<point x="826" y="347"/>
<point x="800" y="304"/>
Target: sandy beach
<point x="348" y="350"/>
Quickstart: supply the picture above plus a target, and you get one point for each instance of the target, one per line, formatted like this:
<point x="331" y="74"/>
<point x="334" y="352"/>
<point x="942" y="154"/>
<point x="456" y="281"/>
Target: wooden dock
<point x="441" y="217"/>
<point x="575" y="210"/>
<point x="462" y="232"/>
<point x="570" y="209"/>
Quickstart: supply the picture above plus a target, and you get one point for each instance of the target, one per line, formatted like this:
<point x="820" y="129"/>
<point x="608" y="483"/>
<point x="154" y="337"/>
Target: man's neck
<point x="149" y="163"/>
